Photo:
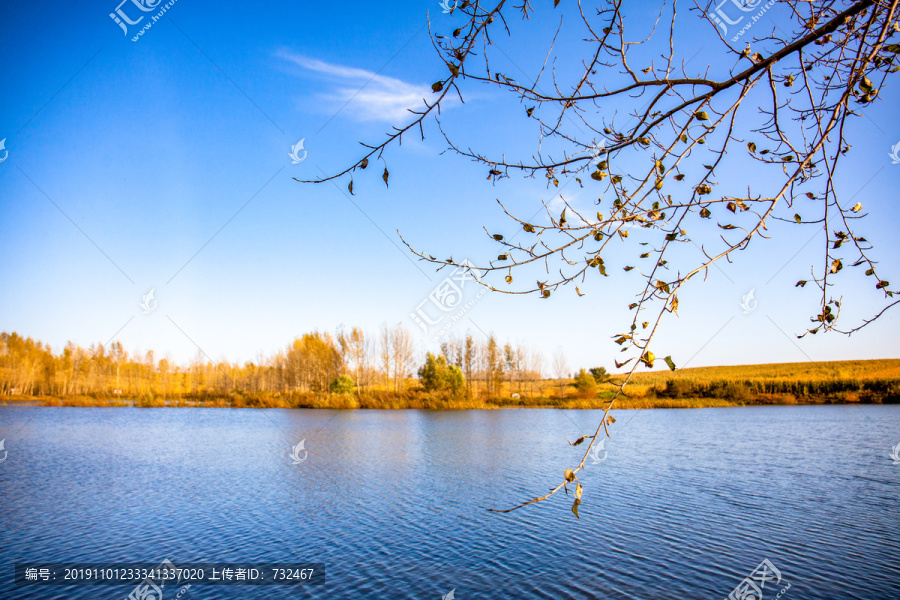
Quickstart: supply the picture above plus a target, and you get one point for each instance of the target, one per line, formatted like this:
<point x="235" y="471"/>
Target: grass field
<point x="854" y="370"/>
<point x="782" y="383"/>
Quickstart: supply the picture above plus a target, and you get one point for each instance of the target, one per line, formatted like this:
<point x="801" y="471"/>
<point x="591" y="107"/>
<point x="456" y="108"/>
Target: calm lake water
<point x="686" y="504"/>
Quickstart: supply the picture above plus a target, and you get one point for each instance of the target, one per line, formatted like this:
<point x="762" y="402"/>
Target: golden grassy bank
<point x="867" y="381"/>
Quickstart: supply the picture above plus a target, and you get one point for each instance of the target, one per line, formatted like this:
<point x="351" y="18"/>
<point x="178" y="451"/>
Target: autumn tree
<point x="354" y="348"/>
<point x="437" y="375"/>
<point x="470" y="359"/>
<point x="599" y="374"/>
<point x="385" y="352"/>
<point x="560" y="368"/>
<point x="585" y="384"/>
<point x="313" y="361"/>
<point x="396" y="352"/>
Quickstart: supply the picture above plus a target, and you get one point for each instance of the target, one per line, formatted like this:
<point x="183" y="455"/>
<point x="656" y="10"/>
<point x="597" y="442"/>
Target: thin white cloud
<point x="368" y="96"/>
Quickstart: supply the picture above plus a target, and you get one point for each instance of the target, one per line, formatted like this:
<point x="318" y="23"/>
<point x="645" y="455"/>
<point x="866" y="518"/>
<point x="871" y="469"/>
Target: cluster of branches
<point x="779" y="108"/>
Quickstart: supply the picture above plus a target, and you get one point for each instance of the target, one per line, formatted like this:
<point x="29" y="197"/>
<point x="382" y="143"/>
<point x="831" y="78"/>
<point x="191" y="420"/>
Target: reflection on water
<point x="686" y="504"/>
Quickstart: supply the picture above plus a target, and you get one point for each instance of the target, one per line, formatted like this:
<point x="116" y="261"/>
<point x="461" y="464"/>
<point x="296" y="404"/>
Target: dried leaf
<point x="836" y="265"/>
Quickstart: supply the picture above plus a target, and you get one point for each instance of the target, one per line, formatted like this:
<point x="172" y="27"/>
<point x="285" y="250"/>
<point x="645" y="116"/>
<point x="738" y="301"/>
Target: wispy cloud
<point x="365" y="95"/>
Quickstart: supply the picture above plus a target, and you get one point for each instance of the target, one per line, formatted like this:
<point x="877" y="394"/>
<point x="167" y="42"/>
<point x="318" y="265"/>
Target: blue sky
<point x="164" y="164"/>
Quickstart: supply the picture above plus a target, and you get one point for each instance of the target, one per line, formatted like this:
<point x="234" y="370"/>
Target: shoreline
<point x="344" y="403"/>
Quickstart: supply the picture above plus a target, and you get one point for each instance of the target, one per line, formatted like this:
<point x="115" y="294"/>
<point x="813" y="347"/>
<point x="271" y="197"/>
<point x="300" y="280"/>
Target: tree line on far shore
<point x="350" y="361"/>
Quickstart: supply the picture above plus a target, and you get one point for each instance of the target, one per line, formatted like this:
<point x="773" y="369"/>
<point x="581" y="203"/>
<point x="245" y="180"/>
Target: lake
<point x="391" y="504"/>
